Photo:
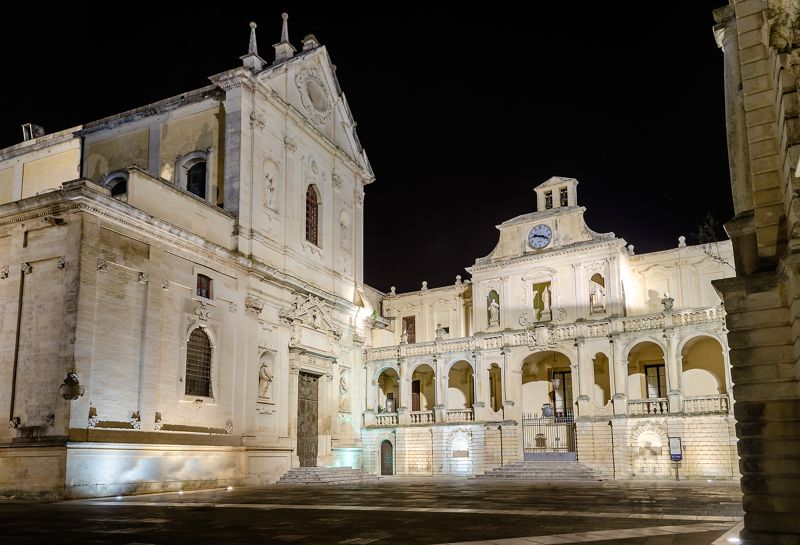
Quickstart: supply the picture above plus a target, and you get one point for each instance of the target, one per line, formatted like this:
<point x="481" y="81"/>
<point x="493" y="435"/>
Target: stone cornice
<point x="610" y="243"/>
<point x="77" y="196"/>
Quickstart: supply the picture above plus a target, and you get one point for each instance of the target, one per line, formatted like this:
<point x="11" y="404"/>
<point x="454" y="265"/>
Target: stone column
<point x="673" y="363"/>
<point x="585" y="368"/>
<point x="481" y="379"/>
<point x="619" y="368"/>
<point x="441" y="382"/>
<point x="294" y="392"/>
<point x="404" y="393"/>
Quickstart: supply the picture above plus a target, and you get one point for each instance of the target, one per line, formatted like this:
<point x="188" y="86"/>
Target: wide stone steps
<point x="325" y="475"/>
<point x="541" y="471"/>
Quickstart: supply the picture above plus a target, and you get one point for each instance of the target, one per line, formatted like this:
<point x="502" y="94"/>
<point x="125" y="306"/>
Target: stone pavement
<point x="394" y="511"/>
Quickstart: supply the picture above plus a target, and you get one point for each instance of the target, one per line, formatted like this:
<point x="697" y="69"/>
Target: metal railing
<point x="541" y="434"/>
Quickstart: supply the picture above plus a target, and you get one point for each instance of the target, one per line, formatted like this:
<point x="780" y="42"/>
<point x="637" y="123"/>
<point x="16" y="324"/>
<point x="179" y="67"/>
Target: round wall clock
<point x="540" y="236"/>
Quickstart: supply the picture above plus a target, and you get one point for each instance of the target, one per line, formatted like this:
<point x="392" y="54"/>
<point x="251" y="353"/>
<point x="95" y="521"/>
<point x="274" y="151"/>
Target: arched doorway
<point x="388" y="391"/>
<point x="601" y="394"/>
<point x="548" y="426"/>
<point x="423" y="388"/>
<point x="495" y="388"/>
<point x="387" y="458"/>
<point x="460" y="393"/>
<point x="703" y="377"/>
<point x="647" y="380"/>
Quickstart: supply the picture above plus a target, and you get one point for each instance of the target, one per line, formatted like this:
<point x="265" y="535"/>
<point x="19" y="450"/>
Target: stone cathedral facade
<point x="182" y="305"/>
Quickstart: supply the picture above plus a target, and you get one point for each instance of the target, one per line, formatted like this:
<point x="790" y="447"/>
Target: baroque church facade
<point x="183" y="306"/>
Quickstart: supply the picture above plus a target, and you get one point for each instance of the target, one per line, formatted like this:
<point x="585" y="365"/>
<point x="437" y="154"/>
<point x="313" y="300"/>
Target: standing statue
<point x="597" y="298"/>
<point x="264" y="379"/>
<point x="546" y="299"/>
<point x="494" y="313"/>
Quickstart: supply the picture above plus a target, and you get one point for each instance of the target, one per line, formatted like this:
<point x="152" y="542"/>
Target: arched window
<point x="116" y="182"/>
<point x="312" y="215"/>
<point x="198" y="364"/>
<point x="204" y="285"/>
<point x="192" y="173"/>
<point x="196" y="179"/>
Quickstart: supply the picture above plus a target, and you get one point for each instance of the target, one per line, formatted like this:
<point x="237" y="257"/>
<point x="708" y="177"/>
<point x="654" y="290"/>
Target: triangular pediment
<point x="308" y="83"/>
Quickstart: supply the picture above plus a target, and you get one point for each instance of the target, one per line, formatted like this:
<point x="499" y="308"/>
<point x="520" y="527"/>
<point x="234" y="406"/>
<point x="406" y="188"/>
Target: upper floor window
<point x="410" y="328"/>
<point x="116" y="182"/>
<point x="204" y="284"/>
<point x="312" y="215"/>
<point x="193" y="173"/>
<point x="656" y="380"/>
<point x="548" y="200"/>
<point x="198" y="364"/>
<point x="562" y="195"/>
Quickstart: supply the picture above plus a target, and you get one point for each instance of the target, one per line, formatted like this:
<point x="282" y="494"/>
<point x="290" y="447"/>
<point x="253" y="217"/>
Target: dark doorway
<point x="415" y="385"/>
<point x="307" y="433"/>
<point x="387" y="458"/>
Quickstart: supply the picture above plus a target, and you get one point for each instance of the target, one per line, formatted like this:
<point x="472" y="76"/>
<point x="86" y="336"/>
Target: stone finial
<point x="424" y="285"/>
<point x="681" y="241"/>
<point x="253" y="49"/>
<point x="668" y="302"/>
<point x="630" y="249"/>
<point x="310" y="42"/>
<point x="252" y="60"/>
<point x="283" y="49"/>
<point x="458" y="280"/>
<point x="392" y="291"/>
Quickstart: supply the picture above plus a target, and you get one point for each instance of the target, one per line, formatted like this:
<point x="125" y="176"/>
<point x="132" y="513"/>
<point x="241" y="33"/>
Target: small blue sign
<point x="676" y="457"/>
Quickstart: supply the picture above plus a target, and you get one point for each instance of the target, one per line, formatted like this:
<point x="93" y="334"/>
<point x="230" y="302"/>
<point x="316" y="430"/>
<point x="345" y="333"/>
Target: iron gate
<point x="548" y="434"/>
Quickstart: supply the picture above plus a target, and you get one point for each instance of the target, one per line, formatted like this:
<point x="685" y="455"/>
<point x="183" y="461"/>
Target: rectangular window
<point x="409" y="326"/>
<point x="204" y="286"/>
<point x="562" y="393"/>
<point x="562" y="193"/>
<point x="415" y="390"/>
<point x="548" y="200"/>
<point x="656" y="379"/>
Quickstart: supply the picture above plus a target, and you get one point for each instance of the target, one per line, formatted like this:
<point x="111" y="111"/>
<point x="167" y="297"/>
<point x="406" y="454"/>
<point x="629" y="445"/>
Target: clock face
<point x="540" y="235"/>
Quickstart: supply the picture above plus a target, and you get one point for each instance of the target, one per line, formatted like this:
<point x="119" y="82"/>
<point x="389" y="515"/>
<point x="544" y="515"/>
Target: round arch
<point x="628" y="347"/>
<point x="547" y="384"/>
<point x="377" y="374"/>
<point x="569" y="353"/>
<point x="454" y="361"/>
<point x="645" y="369"/>
<point x="703" y="363"/>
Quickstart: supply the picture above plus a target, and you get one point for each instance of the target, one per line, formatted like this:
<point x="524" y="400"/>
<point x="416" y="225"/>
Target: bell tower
<point x="556" y="192"/>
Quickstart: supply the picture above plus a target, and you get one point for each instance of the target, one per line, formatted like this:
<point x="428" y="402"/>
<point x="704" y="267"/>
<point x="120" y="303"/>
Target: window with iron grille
<point x="204" y="284"/>
<point x="198" y="364"/>
<point x="312" y="215"/>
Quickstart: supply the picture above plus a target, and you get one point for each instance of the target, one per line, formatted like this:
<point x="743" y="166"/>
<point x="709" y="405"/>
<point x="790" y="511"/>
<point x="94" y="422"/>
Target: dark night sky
<point x="462" y="112"/>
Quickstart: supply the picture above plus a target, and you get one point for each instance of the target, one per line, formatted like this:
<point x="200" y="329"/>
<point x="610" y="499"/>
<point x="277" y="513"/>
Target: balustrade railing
<point x="551" y="333"/>
<point x="421" y="417"/>
<point x="460" y="415"/>
<point x="708" y="404"/>
<point x="648" y="407"/>
<point x="386" y="419"/>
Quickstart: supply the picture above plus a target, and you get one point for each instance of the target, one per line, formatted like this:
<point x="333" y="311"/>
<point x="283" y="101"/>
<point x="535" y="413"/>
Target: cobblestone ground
<point x="394" y="511"/>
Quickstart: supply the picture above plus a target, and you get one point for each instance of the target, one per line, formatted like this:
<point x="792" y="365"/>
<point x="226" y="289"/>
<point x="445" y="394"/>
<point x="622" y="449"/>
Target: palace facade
<point x="183" y="306"/>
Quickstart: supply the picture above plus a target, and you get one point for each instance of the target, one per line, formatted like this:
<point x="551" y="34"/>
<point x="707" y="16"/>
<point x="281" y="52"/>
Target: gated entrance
<point x="307" y="433"/>
<point x="549" y="437"/>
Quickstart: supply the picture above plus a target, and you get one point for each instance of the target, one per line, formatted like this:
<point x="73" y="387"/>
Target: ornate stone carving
<point x="542" y="337"/>
<point x="314" y="94"/>
<point x="158" y="423"/>
<point x="233" y="307"/>
<point x="4" y="272"/>
<point x="290" y="143"/>
<point x="229" y="426"/>
<point x="26" y="268"/>
<point x="311" y="311"/>
<point x="265" y="377"/>
<point x="14" y="423"/>
<point x="337" y="181"/>
<point x="51" y="420"/>
<point x="294" y="369"/>
<point x="269" y="191"/>
<point x="93" y="418"/>
<point x="144" y="278"/>
<point x="102" y="264"/>
<point x="257" y="120"/>
<point x="344" y="230"/>
<point x="253" y="305"/>
<point x="136" y="420"/>
<point x="203" y="311"/>
<point x="61" y="263"/>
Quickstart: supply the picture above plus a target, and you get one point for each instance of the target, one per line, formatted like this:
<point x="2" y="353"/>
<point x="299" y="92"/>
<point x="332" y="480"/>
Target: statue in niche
<point x="404" y="335"/>
<point x="597" y="298"/>
<point x="494" y="313"/>
<point x="546" y="302"/>
<point x="344" y="388"/>
<point x="344" y="226"/>
<point x="265" y="376"/>
<point x="269" y="192"/>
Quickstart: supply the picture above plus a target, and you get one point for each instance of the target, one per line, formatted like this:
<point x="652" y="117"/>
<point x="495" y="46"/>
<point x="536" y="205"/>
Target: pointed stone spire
<point x="283" y="49"/>
<point x="252" y="60"/>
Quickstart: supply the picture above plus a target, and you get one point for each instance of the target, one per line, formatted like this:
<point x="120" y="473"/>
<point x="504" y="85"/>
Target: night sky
<point x="462" y="112"/>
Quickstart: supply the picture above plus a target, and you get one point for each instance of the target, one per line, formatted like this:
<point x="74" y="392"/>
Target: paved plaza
<point x="394" y="511"/>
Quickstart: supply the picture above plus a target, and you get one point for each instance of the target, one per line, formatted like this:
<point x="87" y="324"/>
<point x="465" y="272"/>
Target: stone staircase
<point x="326" y="475"/>
<point x="539" y="470"/>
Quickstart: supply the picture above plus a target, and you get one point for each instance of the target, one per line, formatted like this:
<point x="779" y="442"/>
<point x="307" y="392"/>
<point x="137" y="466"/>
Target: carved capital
<point x="26" y="268"/>
<point x="253" y="305"/>
<point x="102" y="264"/>
<point x="4" y="272"/>
<point x="61" y="263"/>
